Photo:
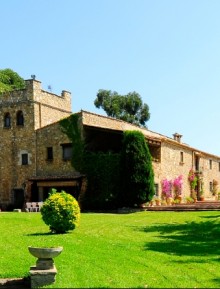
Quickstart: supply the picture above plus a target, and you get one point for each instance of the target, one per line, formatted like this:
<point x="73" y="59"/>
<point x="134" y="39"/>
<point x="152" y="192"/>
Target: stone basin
<point x="45" y="253"/>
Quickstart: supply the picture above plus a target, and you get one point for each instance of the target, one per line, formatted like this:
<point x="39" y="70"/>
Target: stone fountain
<point x="44" y="273"/>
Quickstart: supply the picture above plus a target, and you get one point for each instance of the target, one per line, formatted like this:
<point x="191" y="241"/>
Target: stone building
<point x="171" y="157"/>
<point x="36" y="155"/>
<point x="22" y="113"/>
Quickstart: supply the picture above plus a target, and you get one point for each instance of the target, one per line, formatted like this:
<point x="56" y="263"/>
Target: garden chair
<point x="34" y="207"/>
<point x="40" y="204"/>
<point x="29" y="207"/>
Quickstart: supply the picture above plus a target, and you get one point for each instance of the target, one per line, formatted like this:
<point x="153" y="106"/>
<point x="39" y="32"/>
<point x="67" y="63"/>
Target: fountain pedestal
<point x="44" y="273"/>
<point x="41" y="278"/>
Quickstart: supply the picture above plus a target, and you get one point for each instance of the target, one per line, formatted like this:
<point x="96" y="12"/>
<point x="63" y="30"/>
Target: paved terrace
<point x="198" y="206"/>
<point x="208" y="205"/>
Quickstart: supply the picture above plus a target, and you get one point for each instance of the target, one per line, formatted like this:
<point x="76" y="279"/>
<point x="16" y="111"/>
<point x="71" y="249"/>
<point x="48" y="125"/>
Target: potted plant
<point x="163" y="202"/>
<point x="193" y="180"/>
<point x="157" y="200"/>
<point x="215" y="189"/>
<point x="176" y="201"/>
<point x="151" y="203"/>
<point x="189" y="200"/>
<point x="201" y="195"/>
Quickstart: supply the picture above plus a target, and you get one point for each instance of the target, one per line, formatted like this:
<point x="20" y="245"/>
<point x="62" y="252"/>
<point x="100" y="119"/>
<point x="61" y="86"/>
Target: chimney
<point x="177" y="137"/>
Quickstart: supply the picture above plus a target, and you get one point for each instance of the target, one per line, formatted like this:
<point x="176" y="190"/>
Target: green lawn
<point x="139" y="250"/>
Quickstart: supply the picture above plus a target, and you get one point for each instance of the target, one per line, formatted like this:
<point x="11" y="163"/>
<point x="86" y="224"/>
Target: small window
<point x="24" y="159"/>
<point x="49" y="153"/>
<point x="67" y="151"/>
<point x="181" y="158"/>
<point x="156" y="189"/>
<point x="211" y="186"/>
<point x="7" y="120"/>
<point x="210" y="164"/>
<point x="20" y="118"/>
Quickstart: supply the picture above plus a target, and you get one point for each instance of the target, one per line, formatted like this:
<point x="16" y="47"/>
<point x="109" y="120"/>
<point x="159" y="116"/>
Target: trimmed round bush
<point x="61" y="212"/>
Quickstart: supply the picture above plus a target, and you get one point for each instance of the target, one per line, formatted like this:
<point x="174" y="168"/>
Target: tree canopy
<point x="127" y="107"/>
<point x="10" y="80"/>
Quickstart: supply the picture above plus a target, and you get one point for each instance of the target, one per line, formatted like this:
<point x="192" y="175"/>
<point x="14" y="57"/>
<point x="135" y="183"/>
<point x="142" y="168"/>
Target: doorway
<point x="18" y="198"/>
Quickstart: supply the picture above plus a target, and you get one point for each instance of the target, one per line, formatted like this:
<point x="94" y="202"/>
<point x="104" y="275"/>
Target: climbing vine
<point x="70" y="126"/>
<point x="103" y="175"/>
<point x="102" y="169"/>
<point x="105" y="171"/>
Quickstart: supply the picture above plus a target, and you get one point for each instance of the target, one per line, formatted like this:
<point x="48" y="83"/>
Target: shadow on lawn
<point x="16" y="283"/>
<point x="46" y="234"/>
<point x="217" y="280"/>
<point x="210" y="217"/>
<point x="40" y="234"/>
<point x="189" y="239"/>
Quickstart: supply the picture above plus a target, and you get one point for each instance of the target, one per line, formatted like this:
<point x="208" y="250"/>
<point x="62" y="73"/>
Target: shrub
<point x="61" y="212"/>
<point x="138" y="175"/>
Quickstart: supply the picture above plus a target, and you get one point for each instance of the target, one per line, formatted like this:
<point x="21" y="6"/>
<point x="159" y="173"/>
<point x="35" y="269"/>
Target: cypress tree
<point x="137" y="171"/>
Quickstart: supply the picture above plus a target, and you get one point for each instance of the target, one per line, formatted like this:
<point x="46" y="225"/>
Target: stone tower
<point x="22" y="112"/>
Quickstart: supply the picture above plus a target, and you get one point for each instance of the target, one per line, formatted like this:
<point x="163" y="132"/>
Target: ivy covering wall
<point x="114" y="179"/>
<point x="101" y="169"/>
<point x="70" y="126"/>
<point x="103" y="176"/>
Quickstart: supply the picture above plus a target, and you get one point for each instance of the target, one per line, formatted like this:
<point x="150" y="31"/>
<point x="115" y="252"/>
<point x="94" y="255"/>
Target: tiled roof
<point x="96" y="120"/>
<point x="75" y="175"/>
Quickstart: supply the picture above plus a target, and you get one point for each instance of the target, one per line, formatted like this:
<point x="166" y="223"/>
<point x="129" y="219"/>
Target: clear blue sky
<point x="166" y="50"/>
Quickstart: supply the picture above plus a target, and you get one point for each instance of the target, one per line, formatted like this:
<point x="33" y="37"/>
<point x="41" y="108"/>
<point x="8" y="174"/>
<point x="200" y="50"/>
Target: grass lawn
<point x="139" y="250"/>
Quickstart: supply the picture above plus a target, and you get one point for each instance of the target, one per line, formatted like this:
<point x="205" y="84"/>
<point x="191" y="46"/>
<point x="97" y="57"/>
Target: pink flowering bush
<point x="192" y="179"/>
<point x="178" y="185"/>
<point x="167" y="188"/>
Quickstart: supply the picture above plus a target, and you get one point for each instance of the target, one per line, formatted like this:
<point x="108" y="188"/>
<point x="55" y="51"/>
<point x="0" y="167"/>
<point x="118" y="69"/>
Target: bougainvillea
<point x="167" y="188"/>
<point x="61" y="212"/>
<point x="178" y="185"/>
<point x="192" y="179"/>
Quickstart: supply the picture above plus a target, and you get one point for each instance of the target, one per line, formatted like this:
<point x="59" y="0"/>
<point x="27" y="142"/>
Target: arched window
<point x="20" y="118"/>
<point x="7" y="120"/>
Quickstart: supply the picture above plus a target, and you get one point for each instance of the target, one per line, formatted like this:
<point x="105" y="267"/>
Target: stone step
<point x="186" y="207"/>
<point x="198" y="205"/>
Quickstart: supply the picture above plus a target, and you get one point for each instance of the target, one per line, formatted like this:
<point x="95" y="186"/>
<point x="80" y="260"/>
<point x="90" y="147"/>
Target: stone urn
<point x="45" y="256"/>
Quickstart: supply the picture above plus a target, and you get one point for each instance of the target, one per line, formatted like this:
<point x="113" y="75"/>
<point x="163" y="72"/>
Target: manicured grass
<point x="139" y="250"/>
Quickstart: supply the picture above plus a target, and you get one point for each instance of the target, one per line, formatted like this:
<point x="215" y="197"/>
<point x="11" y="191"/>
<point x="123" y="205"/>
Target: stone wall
<point x="96" y="120"/>
<point x="51" y="136"/>
<point x="42" y="111"/>
<point x="169" y="165"/>
<point x="48" y="107"/>
<point x="172" y="167"/>
<point x="39" y="109"/>
<point x="15" y="141"/>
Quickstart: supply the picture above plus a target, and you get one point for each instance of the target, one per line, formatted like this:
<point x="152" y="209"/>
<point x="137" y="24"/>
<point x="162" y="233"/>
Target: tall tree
<point x="128" y="107"/>
<point x="10" y="80"/>
<point x="138" y="175"/>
